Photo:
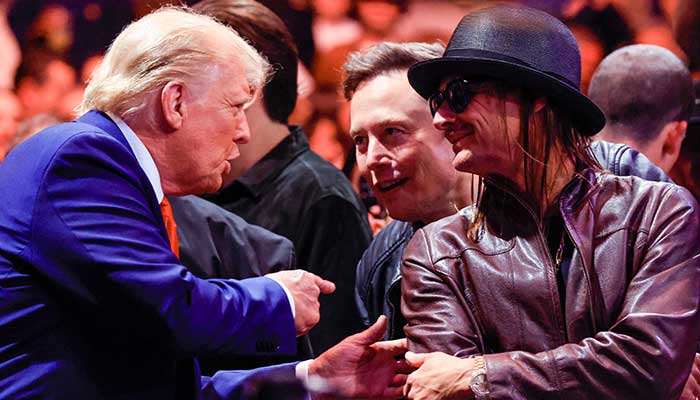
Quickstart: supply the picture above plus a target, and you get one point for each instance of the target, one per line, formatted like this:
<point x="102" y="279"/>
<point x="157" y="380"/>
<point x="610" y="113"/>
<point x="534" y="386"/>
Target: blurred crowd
<point x="50" y="48"/>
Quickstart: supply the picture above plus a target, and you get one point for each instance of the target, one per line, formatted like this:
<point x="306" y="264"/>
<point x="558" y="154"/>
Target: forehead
<point x="230" y="80"/>
<point x="387" y="97"/>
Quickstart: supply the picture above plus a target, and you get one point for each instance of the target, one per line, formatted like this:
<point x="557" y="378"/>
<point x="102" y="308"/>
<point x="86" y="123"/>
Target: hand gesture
<point x="439" y="377"/>
<point x="305" y="288"/>
<point x="361" y="367"/>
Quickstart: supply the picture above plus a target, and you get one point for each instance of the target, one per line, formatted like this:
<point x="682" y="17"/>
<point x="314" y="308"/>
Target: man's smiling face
<point x="407" y="162"/>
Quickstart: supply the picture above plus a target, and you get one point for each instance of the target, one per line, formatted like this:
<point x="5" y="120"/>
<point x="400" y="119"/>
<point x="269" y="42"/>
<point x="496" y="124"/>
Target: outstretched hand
<point x="361" y="367"/>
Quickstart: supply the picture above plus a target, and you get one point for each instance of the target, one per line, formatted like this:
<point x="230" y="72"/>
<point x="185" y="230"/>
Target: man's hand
<point x="361" y="367"/>
<point x="439" y="377"/>
<point x="691" y="391"/>
<point x="305" y="288"/>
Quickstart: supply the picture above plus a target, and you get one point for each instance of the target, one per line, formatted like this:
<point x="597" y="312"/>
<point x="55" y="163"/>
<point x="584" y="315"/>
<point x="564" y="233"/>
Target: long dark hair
<point x="544" y="133"/>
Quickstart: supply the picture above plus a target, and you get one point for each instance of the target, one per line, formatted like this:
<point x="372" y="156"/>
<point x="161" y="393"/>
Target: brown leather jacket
<point x="631" y="322"/>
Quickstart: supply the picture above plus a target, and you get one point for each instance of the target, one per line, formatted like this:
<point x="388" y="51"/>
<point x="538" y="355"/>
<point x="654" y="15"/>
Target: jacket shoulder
<point x="385" y="247"/>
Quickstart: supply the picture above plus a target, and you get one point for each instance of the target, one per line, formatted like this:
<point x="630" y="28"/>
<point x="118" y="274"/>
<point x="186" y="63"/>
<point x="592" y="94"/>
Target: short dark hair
<point x="640" y="88"/>
<point x="266" y="32"/>
<point x="35" y="65"/>
<point x="384" y="57"/>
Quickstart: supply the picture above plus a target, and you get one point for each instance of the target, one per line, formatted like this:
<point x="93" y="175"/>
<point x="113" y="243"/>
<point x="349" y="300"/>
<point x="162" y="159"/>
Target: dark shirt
<point x="295" y="193"/>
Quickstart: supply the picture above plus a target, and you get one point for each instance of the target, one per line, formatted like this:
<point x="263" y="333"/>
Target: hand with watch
<point x="440" y="376"/>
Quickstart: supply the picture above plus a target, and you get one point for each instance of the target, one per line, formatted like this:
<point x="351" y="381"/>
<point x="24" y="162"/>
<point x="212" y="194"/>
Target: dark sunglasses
<point x="458" y="93"/>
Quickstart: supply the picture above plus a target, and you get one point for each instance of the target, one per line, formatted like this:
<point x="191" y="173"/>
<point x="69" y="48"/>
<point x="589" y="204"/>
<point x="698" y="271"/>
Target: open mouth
<point x="390" y="185"/>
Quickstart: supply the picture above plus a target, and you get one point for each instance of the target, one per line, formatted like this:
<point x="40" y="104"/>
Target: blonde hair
<point x="172" y="43"/>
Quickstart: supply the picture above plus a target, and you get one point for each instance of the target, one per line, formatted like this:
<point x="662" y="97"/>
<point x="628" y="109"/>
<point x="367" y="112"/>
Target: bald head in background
<point x="646" y="93"/>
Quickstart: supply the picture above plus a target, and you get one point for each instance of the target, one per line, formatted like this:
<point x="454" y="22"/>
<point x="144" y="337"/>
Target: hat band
<point x="490" y="55"/>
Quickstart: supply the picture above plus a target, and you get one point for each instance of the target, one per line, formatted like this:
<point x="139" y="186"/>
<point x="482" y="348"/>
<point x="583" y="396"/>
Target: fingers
<point x="392" y="393"/>
<point x="416" y="360"/>
<point x="374" y="333"/>
<point x="326" y="287"/>
<point x="402" y="367"/>
<point x="398" y="380"/>
<point x="394" y="347"/>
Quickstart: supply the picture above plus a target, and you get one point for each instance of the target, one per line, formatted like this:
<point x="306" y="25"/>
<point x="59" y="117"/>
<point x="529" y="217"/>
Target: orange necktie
<point x="170" y="226"/>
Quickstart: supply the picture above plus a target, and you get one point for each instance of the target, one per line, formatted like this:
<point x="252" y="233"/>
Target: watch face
<point x="479" y="385"/>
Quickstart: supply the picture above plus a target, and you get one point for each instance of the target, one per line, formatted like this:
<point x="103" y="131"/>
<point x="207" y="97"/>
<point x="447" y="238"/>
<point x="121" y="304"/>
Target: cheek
<point x="361" y="160"/>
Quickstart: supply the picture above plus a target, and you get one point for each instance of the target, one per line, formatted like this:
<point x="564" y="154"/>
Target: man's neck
<point x="265" y="135"/>
<point x="558" y="176"/>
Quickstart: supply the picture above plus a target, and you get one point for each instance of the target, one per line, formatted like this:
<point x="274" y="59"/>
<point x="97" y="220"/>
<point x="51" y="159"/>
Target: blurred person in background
<point x="71" y="29"/>
<point x="332" y="24"/>
<point x="9" y="48"/>
<point x="42" y="81"/>
<point x="10" y="114"/>
<point x="646" y="93"/>
<point x="686" y="170"/>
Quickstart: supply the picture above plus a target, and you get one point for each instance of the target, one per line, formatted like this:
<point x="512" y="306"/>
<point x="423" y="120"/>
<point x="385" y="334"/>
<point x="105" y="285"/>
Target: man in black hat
<point x="562" y="281"/>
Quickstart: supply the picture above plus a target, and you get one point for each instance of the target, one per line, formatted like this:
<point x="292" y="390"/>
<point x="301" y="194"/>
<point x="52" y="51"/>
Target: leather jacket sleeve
<point x="424" y="286"/>
<point x="645" y="353"/>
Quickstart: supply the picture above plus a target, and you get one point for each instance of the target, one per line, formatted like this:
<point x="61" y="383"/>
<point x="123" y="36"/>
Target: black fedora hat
<point x="520" y="45"/>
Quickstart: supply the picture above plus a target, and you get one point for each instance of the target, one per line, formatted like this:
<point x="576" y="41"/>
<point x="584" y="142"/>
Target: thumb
<point x="416" y="360"/>
<point x="326" y="287"/>
<point x="374" y="333"/>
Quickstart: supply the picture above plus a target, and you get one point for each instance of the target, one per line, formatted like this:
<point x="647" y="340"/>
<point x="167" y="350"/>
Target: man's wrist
<point x="290" y="298"/>
<point x="479" y="384"/>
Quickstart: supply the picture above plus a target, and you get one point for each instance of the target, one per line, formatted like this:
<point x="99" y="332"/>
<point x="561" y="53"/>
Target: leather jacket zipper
<point x="559" y="318"/>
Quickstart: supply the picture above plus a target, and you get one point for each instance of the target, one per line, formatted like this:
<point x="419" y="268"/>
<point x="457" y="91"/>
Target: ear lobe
<point x="173" y="105"/>
<point x="675" y="133"/>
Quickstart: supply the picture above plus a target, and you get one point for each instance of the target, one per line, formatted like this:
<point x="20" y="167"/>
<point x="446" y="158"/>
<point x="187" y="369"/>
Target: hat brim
<point x="425" y="78"/>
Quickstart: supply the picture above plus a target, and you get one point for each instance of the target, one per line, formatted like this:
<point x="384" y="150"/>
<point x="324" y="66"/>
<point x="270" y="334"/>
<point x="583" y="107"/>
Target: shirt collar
<point x="143" y="157"/>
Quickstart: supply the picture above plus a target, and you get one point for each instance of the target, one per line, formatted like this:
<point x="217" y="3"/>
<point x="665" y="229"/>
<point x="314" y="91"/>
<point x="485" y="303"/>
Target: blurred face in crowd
<point x="484" y="131"/>
<point x="331" y="9"/>
<point x="378" y="15"/>
<point x="44" y="97"/>
<point x="10" y="114"/>
<point x="213" y="125"/>
<point x="405" y="160"/>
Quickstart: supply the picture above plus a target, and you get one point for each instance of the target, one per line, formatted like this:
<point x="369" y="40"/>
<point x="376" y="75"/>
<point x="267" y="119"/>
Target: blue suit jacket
<point x="93" y="304"/>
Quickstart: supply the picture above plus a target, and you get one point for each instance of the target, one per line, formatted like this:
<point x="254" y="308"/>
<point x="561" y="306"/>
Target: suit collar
<point x="118" y="129"/>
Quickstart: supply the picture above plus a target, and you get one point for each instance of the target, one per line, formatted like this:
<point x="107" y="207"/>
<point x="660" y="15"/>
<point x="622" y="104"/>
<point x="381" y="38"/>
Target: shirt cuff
<point x="288" y="293"/>
<point x="302" y="372"/>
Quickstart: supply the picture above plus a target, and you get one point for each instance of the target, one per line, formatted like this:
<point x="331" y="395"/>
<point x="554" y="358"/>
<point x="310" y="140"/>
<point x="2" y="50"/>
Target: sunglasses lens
<point x="435" y="101"/>
<point x="458" y="95"/>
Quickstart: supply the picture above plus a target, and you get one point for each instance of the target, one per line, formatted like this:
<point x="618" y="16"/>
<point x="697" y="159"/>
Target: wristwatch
<point x="478" y="383"/>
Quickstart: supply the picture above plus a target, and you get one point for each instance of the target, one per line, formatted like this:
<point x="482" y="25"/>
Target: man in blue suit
<point x="93" y="303"/>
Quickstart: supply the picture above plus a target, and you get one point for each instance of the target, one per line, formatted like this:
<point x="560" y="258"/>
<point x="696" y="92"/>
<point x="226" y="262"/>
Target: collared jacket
<point x="378" y="282"/>
<point x="629" y="322"/>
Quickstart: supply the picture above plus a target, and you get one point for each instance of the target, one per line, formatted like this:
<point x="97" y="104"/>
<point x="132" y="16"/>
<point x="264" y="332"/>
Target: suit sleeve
<point x="278" y="381"/>
<point x="101" y="235"/>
